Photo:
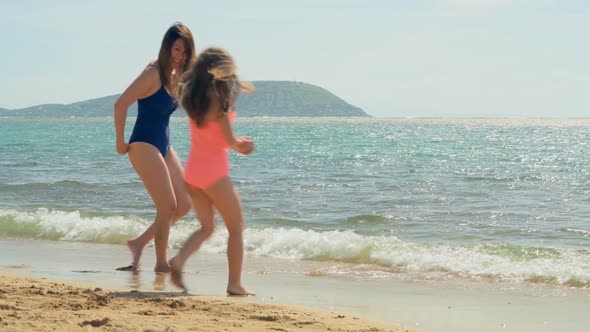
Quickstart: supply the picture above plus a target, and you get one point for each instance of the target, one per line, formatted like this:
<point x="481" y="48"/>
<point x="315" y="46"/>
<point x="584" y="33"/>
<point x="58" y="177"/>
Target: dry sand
<point x="28" y="304"/>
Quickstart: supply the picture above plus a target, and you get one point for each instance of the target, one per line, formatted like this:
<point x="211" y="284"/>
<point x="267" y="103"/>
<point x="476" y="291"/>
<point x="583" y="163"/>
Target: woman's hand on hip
<point x="122" y="147"/>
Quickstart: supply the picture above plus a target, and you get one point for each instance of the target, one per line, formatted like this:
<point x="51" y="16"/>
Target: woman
<point x="149" y="150"/>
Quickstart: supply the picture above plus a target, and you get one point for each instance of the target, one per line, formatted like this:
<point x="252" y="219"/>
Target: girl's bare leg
<point x="153" y="171"/>
<point x="227" y="201"/>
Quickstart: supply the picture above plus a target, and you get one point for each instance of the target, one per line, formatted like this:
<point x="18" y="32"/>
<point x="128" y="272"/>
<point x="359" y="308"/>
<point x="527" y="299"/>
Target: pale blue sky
<point x="459" y="58"/>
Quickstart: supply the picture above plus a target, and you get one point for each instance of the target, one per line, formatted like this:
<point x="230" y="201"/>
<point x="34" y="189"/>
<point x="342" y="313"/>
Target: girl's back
<point x="207" y="161"/>
<point x="209" y="137"/>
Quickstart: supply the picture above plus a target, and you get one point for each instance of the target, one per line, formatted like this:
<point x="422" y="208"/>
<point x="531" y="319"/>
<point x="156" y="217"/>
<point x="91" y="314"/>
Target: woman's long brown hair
<point x="176" y="31"/>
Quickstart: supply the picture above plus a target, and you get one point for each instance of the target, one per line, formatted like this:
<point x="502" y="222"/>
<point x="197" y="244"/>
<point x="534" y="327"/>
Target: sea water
<point x="491" y="200"/>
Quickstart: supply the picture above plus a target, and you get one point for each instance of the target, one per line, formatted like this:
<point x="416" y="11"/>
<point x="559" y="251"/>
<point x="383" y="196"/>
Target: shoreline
<point x="424" y="305"/>
<point x="31" y="304"/>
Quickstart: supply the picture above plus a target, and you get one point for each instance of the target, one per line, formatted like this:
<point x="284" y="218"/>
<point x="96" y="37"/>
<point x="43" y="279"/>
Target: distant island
<point x="271" y="99"/>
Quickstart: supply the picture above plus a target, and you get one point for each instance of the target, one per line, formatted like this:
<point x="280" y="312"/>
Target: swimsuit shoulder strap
<point x="155" y="65"/>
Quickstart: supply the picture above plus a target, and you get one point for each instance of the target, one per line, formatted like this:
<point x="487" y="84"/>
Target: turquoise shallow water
<point x="505" y="199"/>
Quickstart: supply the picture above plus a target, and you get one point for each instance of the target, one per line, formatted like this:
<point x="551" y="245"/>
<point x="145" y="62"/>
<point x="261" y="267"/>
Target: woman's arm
<point x="145" y="83"/>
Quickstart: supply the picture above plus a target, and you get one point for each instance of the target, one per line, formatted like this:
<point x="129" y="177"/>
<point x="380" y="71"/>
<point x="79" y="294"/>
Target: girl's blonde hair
<point x="211" y="78"/>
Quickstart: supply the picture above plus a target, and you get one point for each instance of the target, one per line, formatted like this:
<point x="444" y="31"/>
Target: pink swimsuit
<point x="208" y="157"/>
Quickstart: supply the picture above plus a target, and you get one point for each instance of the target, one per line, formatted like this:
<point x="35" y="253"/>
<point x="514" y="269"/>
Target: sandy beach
<point x="33" y="304"/>
<point x="52" y="285"/>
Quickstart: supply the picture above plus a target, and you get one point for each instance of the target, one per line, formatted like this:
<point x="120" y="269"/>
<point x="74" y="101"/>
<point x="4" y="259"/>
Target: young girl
<point x="209" y="93"/>
<point x="149" y="150"/>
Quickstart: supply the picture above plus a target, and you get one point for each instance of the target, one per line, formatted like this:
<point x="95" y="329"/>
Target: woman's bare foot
<point x="176" y="275"/>
<point x="239" y="290"/>
<point x="136" y="251"/>
<point x="127" y="268"/>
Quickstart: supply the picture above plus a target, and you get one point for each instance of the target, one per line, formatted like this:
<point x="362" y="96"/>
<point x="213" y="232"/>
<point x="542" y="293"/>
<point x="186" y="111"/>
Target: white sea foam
<point x="376" y="254"/>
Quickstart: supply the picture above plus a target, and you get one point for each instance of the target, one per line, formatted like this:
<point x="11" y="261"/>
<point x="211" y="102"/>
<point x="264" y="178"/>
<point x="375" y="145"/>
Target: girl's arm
<point x="241" y="144"/>
<point x="146" y="82"/>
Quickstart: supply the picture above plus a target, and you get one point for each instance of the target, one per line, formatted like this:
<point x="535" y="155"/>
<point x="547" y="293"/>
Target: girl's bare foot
<point x="162" y="268"/>
<point x="239" y="290"/>
<point x="136" y="251"/>
<point x="176" y="275"/>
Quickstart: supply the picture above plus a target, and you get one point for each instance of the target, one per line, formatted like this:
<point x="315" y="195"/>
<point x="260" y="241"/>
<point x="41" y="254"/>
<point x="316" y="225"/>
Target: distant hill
<point x="283" y="98"/>
<point x="271" y="99"/>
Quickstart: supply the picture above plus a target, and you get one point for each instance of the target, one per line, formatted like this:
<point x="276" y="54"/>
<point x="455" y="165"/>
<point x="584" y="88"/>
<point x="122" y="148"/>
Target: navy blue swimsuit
<point x="153" y="116"/>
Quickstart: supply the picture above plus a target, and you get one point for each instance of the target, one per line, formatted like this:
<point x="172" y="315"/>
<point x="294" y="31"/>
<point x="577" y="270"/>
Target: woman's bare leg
<point x="183" y="200"/>
<point x="226" y="200"/>
<point x="183" y="205"/>
<point x="153" y="171"/>
<point x="206" y="216"/>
